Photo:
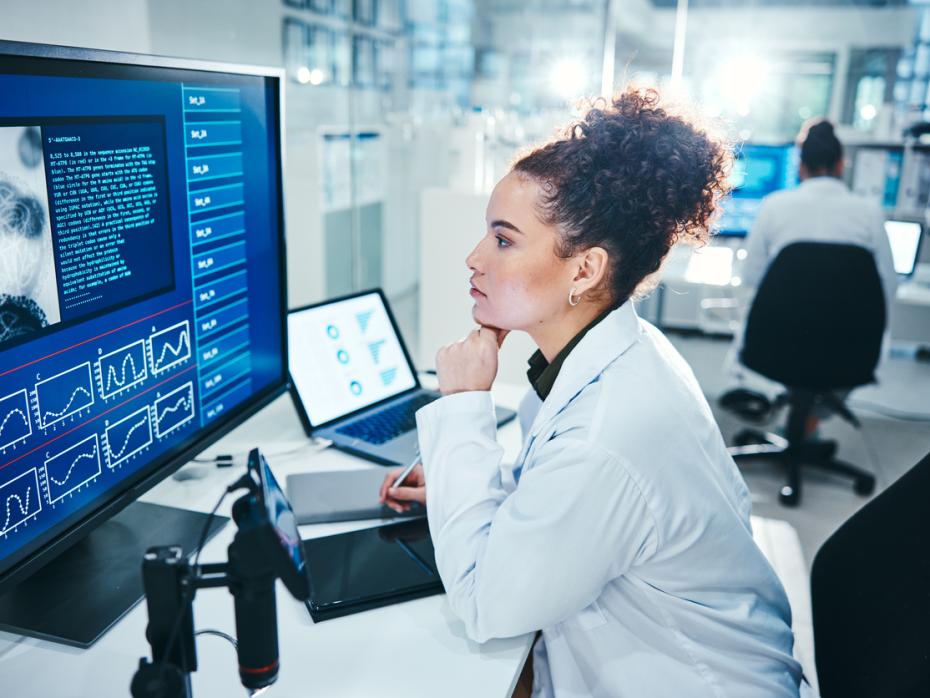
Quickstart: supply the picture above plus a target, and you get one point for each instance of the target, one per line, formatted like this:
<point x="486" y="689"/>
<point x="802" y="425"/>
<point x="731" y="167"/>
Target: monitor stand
<point x="79" y="595"/>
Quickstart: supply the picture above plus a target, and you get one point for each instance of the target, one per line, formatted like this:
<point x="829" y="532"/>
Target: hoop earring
<point x="571" y="294"/>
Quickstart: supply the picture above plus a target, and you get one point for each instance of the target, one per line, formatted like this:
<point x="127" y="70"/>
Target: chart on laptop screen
<point x="345" y="356"/>
<point x="904" y="238"/>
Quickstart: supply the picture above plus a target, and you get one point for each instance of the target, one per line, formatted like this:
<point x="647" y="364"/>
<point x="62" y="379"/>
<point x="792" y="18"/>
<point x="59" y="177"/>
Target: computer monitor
<point x="142" y="287"/>
<point x="904" y="237"/>
<point x="758" y="170"/>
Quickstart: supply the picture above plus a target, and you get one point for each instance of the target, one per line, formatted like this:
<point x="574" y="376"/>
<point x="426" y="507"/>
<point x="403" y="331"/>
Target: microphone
<point x="257" y="630"/>
<point x="251" y="581"/>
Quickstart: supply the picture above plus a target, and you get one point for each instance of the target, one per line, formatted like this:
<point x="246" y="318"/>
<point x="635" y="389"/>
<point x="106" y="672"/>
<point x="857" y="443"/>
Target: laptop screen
<point x="904" y="237"/>
<point x="345" y="356"/>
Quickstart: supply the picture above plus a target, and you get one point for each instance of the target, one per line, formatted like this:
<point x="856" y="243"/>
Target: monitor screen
<point x="346" y="355"/>
<point x="758" y="171"/>
<point x="141" y="277"/>
<point x="904" y="237"/>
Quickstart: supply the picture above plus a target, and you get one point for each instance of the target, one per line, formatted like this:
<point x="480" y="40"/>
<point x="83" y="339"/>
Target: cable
<point x="227" y="460"/>
<point x="891" y="412"/>
<point x="222" y="460"/>
<point x="186" y="593"/>
<point x="210" y="631"/>
<point x="186" y="597"/>
<point x="206" y="525"/>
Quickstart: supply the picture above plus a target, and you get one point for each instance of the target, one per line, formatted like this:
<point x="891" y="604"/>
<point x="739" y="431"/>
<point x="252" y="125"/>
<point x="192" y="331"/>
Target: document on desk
<point x="341" y="495"/>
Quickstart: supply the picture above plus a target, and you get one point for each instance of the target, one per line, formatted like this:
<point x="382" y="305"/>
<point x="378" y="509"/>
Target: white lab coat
<point x="622" y="531"/>
<point x="821" y="209"/>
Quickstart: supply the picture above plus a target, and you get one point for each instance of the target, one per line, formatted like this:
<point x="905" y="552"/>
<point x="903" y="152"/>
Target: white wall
<point x="453" y="222"/>
<point x="235" y="31"/>
<point x="119" y="25"/>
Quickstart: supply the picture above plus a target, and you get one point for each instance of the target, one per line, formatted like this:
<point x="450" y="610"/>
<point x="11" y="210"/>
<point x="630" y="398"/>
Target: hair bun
<point x="821" y="129"/>
<point x="820" y="148"/>
<point x="632" y="177"/>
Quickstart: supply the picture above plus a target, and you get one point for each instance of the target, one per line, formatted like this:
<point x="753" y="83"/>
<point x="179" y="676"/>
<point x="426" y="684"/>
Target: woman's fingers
<point x="387" y="482"/>
<point x="408" y="494"/>
<point x="469" y="364"/>
<point x="415" y="478"/>
<point x="413" y="489"/>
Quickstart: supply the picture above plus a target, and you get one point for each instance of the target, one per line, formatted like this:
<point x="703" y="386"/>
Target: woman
<point x="622" y="531"/>
<point x="821" y="209"/>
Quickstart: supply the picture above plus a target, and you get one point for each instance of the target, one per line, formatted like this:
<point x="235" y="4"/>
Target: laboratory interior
<point x="465" y="348"/>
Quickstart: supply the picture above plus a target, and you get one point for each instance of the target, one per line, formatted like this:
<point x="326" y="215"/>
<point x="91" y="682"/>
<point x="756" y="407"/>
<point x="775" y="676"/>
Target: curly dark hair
<point x="633" y="178"/>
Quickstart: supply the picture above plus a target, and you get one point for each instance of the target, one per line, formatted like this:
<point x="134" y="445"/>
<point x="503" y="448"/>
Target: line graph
<point x="122" y="369"/>
<point x="174" y="409"/>
<point x="128" y="436"/>
<point x="64" y="394"/>
<point x="14" y="418"/>
<point x="170" y="346"/>
<point x="72" y="468"/>
<point x="19" y="500"/>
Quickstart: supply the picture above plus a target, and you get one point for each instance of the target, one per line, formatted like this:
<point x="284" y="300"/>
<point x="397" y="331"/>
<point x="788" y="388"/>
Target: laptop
<point x="904" y="238"/>
<point x="352" y="379"/>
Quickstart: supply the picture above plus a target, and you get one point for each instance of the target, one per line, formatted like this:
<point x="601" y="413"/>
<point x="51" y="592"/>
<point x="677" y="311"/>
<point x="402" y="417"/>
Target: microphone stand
<point x="171" y="582"/>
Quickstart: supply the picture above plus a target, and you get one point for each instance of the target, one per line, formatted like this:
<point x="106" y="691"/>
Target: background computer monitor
<point x="142" y="300"/>
<point x="758" y="170"/>
<point x="905" y="238"/>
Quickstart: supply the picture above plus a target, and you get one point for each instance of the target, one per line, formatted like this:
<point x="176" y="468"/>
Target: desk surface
<point x="416" y="648"/>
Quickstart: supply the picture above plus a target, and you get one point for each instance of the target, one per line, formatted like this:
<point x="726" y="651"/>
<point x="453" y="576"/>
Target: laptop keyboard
<point x="391" y="422"/>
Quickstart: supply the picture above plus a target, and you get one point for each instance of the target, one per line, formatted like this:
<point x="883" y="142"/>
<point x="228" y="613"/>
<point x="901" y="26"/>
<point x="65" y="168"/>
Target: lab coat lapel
<point x="599" y="348"/>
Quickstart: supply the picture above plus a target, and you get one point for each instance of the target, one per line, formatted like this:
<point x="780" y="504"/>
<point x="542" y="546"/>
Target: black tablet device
<point x="374" y="567"/>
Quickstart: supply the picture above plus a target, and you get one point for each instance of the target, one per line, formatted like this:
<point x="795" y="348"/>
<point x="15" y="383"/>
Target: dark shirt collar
<point x="542" y="374"/>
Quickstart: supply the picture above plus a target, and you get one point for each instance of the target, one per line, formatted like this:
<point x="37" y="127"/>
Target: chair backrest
<point x="818" y="317"/>
<point x="870" y="594"/>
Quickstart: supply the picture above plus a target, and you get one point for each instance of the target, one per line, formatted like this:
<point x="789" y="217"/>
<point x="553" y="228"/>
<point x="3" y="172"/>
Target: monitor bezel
<point x="165" y="465"/>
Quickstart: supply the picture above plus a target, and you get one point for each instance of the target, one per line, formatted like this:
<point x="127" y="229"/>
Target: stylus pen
<point x="407" y="470"/>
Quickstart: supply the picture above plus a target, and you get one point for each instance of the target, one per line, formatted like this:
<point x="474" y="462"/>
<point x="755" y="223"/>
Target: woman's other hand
<point x="470" y="363"/>
<point x="400" y="498"/>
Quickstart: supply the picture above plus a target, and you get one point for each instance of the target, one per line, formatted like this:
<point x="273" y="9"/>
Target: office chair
<point x="870" y="595"/>
<point x="815" y="326"/>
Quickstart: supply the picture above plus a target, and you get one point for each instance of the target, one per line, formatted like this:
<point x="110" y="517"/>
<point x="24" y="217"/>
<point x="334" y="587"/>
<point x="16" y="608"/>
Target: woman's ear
<point x="592" y="268"/>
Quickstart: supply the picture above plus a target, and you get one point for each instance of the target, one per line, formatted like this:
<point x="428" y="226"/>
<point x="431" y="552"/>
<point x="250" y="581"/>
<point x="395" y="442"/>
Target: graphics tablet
<point x="374" y="567"/>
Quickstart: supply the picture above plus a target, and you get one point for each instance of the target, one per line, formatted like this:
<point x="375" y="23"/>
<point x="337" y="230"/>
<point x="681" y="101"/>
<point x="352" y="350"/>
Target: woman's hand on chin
<point x="470" y="363"/>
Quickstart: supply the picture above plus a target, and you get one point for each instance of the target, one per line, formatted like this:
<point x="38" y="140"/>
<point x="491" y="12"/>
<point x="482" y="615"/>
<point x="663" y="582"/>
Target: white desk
<point x="416" y="648"/>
